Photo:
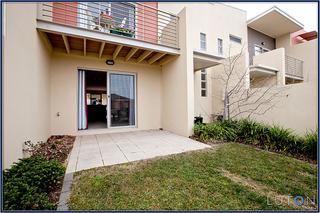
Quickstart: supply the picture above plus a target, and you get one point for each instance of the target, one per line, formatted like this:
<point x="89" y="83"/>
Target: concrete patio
<point x="91" y="151"/>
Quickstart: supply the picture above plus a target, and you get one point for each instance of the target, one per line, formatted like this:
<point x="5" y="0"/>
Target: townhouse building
<point x="88" y="68"/>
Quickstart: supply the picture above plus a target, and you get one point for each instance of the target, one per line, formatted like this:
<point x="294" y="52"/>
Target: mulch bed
<point x="57" y="147"/>
<point x="62" y="147"/>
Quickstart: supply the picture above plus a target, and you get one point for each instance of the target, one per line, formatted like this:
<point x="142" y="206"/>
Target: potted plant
<point x="122" y="31"/>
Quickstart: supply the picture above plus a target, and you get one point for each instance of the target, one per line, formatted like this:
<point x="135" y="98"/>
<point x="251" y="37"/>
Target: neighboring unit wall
<point x="297" y="106"/>
<point x="26" y="81"/>
<point x="307" y="52"/>
<point x="223" y="18"/>
<point x="274" y="59"/>
<point x="177" y="84"/>
<point x="64" y="82"/>
<point x="257" y="38"/>
<point x="218" y="86"/>
<point x="203" y="105"/>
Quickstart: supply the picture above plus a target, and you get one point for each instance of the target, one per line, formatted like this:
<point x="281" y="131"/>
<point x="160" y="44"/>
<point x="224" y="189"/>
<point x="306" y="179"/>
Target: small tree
<point x="239" y="98"/>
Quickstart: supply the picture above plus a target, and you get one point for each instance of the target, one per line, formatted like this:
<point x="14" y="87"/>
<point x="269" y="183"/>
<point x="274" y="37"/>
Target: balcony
<point x="294" y="68"/>
<point x="131" y="31"/>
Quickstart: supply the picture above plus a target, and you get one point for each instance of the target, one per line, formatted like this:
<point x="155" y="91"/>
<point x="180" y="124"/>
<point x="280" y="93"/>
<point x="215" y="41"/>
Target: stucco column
<point x="178" y="85"/>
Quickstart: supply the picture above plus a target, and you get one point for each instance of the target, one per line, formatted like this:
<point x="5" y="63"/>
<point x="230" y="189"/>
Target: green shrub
<point x="28" y="182"/>
<point x="310" y="146"/>
<point x="280" y="139"/>
<point x="20" y="196"/>
<point x="251" y="132"/>
<point x="265" y="136"/>
<point x="224" y="131"/>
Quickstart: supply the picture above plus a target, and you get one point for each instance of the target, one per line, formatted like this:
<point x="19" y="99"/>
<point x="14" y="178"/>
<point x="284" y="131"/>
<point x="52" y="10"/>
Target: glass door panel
<point x="122" y="99"/>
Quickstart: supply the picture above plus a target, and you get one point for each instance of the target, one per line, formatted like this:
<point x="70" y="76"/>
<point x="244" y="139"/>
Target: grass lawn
<point x="227" y="177"/>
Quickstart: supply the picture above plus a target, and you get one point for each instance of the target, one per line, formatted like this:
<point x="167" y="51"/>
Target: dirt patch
<point x="265" y="191"/>
<point x="57" y="147"/>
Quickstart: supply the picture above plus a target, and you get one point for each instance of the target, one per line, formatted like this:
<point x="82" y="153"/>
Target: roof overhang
<point x="274" y="23"/>
<point x="202" y="60"/>
<point x="258" y="70"/>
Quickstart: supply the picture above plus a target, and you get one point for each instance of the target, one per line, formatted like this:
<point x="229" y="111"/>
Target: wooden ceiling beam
<point x="145" y="54"/>
<point x="84" y="46"/>
<point x="66" y="43"/>
<point x="131" y="53"/>
<point x="101" y="48"/>
<point x="156" y="57"/>
<point x="116" y="52"/>
<point x="166" y="59"/>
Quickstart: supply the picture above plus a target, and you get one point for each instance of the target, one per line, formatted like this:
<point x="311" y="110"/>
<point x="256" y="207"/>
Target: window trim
<point x="203" y="42"/>
<point x="205" y="89"/>
<point x="235" y="38"/>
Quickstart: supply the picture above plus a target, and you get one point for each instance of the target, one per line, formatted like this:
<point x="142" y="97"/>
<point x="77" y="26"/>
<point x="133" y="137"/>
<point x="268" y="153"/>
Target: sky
<point x="304" y="12"/>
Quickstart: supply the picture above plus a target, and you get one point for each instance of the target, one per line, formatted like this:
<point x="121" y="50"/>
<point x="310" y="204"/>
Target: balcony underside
<point x="76" y="41"/>
<point x="203" y="60"/>
<point x="294" y="77"/>
<point x="257" y="71"/>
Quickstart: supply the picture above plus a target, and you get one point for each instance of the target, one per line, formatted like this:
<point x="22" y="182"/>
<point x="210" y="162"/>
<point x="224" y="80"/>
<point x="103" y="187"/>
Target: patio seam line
<point x="99" y="150"/>
<point x="122" y="152"/>
<point x="136" y="146"/>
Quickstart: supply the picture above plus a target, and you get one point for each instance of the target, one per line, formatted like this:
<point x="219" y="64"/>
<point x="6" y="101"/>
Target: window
<point x="259" y="50"/>
<point x="235" y="39"/>
<point x="203" y="83"/>
<point x="203" y="41"/>
<point x="220" y="46"/>
<point x="102" y="15"/>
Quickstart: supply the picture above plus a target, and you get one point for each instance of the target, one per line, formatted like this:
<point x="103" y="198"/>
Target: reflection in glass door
<point x="122" y="99"/>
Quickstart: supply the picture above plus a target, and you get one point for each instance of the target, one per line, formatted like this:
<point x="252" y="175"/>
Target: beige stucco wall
<point x="202" y="22"/>
<point x="177" y="85"/>
<point x="203" y="106"/>
<point x="216" y="20"/>
<point x="63" y="94"/>
<point x="308" y="53"/>
<point x="297" y="107"/>
<point x="274" y="59"/>
<point x="26" y="81"/>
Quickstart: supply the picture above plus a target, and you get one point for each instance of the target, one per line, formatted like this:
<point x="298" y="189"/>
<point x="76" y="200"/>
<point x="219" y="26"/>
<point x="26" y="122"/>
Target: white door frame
<point x="109" y="99"/>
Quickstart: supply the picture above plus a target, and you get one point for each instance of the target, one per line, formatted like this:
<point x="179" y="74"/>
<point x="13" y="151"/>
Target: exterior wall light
<point x="110" y="62"/>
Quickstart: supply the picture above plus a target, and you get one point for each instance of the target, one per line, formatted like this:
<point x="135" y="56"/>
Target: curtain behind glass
<point x="122" y="90"/>
<point x="82" y="114"/>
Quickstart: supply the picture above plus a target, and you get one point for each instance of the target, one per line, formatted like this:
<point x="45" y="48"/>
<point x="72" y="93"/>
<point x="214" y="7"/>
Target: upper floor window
<point x="203" y="83"/>
<point x="220" y="46"/>
<point x="203" y="41"/>
<point x="259" y="50"/>
<point x="235" y="39"/>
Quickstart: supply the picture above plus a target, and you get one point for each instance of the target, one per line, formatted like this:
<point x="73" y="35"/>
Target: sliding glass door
<point x="122" y="100"/>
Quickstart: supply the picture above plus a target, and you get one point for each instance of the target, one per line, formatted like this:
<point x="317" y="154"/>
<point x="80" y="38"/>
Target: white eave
<point x="274" y="23"/>
<point x="203" y="60"/>
<point x="259" y="70"/>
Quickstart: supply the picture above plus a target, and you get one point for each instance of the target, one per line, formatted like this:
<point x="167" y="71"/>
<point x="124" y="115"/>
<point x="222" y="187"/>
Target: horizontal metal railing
<point x="134" y="20"/>
<point x="294" y="67"/>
